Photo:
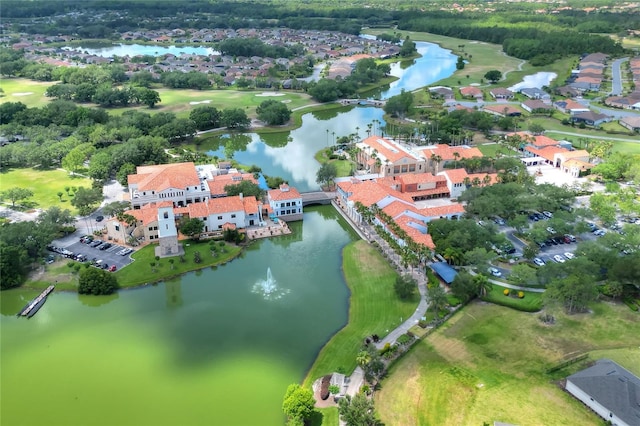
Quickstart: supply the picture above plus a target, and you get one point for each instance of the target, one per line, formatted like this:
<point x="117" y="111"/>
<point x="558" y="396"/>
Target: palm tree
<point x="363" y="358"/>
<point x="486" y="180"/>
<point x="436" y="159"/>
<point x="437" y="300"/>
<point x="483" y="285"/>
<point x="456" y="156"/>
<point x="453" y="256"/>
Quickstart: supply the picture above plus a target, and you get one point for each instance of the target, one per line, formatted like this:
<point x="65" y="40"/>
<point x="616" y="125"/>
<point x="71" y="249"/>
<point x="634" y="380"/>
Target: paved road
<point x="616" y="76"/>
<point x="514" y="287"/>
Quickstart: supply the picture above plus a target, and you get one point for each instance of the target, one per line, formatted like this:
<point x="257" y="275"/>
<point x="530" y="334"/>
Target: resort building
<point x="382" y="156"/>
<point x="442" y="155"/>
<point x="285" y="203"/>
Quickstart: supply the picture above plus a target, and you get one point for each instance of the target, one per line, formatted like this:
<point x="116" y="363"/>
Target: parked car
<point x="96" y="243"/>
<point x="125" y="251"/>
<point x="571" y="238"/>
<point x="99" y="218"/>
<point x="481" y="223"/>
<point x="499" y="221"/>
<point x="558" y="258"/>
<point x="547" y="214"/>
<point x="112" y="268"/>
<point x="51" y="258"/>
<point x="538" y="261"/>
<point x="599" y="232"/>
<point x="105" y="246"/>
<point x="551" y="230"/>
<point x="569" y="255"/>
<point x="495" y="272"/>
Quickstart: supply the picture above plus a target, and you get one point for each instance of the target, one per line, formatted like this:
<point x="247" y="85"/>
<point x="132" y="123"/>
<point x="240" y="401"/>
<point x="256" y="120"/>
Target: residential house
<point x="502" y="110"/>
<point x="536" y="106"/>
<point x="586" y="84"/>
<point x="590" y="118"/>
<point x="472" y="92"/>
<point x="535" y="93"/>
<point x="631" y="123"/>
<point x="285" y="203"/>
<point x="610" y="390"/>
<point x="442" y="92"/>
<point x="501" y="93"/>
<point x="569" y="106"/>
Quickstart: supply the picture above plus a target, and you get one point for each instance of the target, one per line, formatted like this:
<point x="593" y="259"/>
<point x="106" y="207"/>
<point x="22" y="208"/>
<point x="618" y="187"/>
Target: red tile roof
<point x="415" y="234"/>
<point x="163" y="176"/>
<point x="285" y="192"/>
<point x="439" y="211"/>
<point x="548" y="152"/>
<point x="217" y="184"/>
<point x="387" y="149"/>
<point x="446" y="152"/>
<point x="455" y="175"/>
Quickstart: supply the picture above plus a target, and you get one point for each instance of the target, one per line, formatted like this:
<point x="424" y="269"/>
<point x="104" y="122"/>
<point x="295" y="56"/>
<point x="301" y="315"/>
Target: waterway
<point x="538" y="80"/>
<point x="210" y="348"/>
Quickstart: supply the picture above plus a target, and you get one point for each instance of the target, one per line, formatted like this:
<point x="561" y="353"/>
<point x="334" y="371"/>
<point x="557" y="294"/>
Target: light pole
<point x="327" y="137"/>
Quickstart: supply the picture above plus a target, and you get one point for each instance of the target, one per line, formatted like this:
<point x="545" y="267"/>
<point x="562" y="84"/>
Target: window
<point x="150" y="228"/>
<point x="166" y="215"/>
<point x="155" y="228"/>
<point x="219" y="217"/>
<point x="117" y="227"/>
<point x="233" y="216"/>
<point x="151" y="237"/>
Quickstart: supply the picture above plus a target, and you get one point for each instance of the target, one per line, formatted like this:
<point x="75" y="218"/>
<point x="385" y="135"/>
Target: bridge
<point x="317" y="197"/>
<point x="369" y="102"/>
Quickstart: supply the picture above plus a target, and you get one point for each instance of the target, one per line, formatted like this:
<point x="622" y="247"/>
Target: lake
<point x="538" y="80"/>
<point x="142" y="49"/>
<point x="209" y="348"/>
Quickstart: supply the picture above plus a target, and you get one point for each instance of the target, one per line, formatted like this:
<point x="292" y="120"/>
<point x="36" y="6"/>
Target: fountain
<point x="268" y="288"/>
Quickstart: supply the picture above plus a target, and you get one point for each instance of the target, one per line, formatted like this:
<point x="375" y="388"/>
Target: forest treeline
<point x="538" y="37"/>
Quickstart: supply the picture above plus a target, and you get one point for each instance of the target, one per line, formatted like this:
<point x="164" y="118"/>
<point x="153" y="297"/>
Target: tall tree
<point x="298" y="404"/>
<point x="358" y="411"/>
<point x="16" y="194"/>
<point x="326" y="173"/>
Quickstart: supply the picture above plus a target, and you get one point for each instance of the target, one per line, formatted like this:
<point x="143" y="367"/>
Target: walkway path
<point x="368" y="233"/>
<point x="511" y="286"/>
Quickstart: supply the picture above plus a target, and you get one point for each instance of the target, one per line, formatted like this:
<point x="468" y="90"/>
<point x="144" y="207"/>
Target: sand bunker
<point x="270" y="94"/>
<point x="23" y="94"/>
<point x="208" y="101"/>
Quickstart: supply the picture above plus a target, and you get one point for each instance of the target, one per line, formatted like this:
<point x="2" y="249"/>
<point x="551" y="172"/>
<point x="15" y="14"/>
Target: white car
<point x="495" y="272"/>
<point x="558" y="258"/>
<point x="547" y="214"/>
<point x="538" y="261"/>
<point x="569" y="255"/>
<point x="600" y="232"/>
<point x="551" y="230"/>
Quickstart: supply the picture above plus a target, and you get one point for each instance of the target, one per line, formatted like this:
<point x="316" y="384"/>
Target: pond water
<point x="435" y="64"/>
<point x="215" y="347"/>
<point x="141" y="49"/>
<point x="538" y="80"/>
<point x="290" y="154"/>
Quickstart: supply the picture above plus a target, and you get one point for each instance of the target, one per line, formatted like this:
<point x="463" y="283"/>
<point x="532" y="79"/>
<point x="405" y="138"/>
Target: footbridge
<point x="369" y="102"/>
<point x="317" y="197"/>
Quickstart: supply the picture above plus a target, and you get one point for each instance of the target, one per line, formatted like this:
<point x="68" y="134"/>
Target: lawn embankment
<point x="29" y="92"/>
<point x="531" y="302"/>
<point x="343" y="167"/>
<point x="374" y="308"/>
<point x="145" y="269"/>
<point x="488" y="363"/>
<point x="45" y="185"/>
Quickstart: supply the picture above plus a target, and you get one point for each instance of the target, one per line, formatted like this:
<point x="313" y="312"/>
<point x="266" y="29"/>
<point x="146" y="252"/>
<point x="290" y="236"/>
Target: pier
<point x="32" y="308"/>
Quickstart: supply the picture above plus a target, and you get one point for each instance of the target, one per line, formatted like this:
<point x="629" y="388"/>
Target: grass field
<point x="492" y="149"/>
<point x="374" y="308"/>
<point x="30" y="93"/>
<point x="181" y="102"/>
<point x="141" y="272"/>
<point x="343" y="167"/>
<point x="488" y="364"/>
<point x="45" y="185"/>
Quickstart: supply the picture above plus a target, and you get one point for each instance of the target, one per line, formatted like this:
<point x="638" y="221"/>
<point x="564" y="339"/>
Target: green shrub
<point x="521" y="294"/>
<point x="505" y="291"/>
<point x="385" y="349"/>
<point x="631" y="304"/>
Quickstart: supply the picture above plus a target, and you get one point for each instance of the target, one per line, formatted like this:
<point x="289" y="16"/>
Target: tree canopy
<point x="96" y="282"/>
<point x="298" y="404"/>
<point x="273" y="112"/>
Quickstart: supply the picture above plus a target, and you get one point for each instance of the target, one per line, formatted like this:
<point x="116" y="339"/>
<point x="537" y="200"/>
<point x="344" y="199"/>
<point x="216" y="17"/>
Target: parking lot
<point x="108" y="256"/>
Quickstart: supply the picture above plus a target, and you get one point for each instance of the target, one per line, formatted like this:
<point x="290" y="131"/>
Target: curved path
<point x="511" y="286"/>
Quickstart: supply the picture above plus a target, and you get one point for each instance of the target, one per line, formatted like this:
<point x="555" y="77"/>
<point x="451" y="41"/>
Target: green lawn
<point x="29" y="92"/>
<point x="343" y="167"/>
<point x="374" y="308"/>
<point x="182" y="101"/>
<point x="141" y="272"/>
<point x="532" y="302"/>
<point x="45" y="185"/>
<point x="492" y="149"/>
<point x="488" y="363"/>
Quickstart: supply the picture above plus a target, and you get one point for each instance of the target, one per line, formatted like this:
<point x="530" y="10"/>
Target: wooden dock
<point x="32" y="308"/>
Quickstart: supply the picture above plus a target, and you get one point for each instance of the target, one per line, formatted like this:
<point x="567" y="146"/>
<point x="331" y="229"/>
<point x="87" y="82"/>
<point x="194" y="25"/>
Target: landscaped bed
<point x="531" y="302"/>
